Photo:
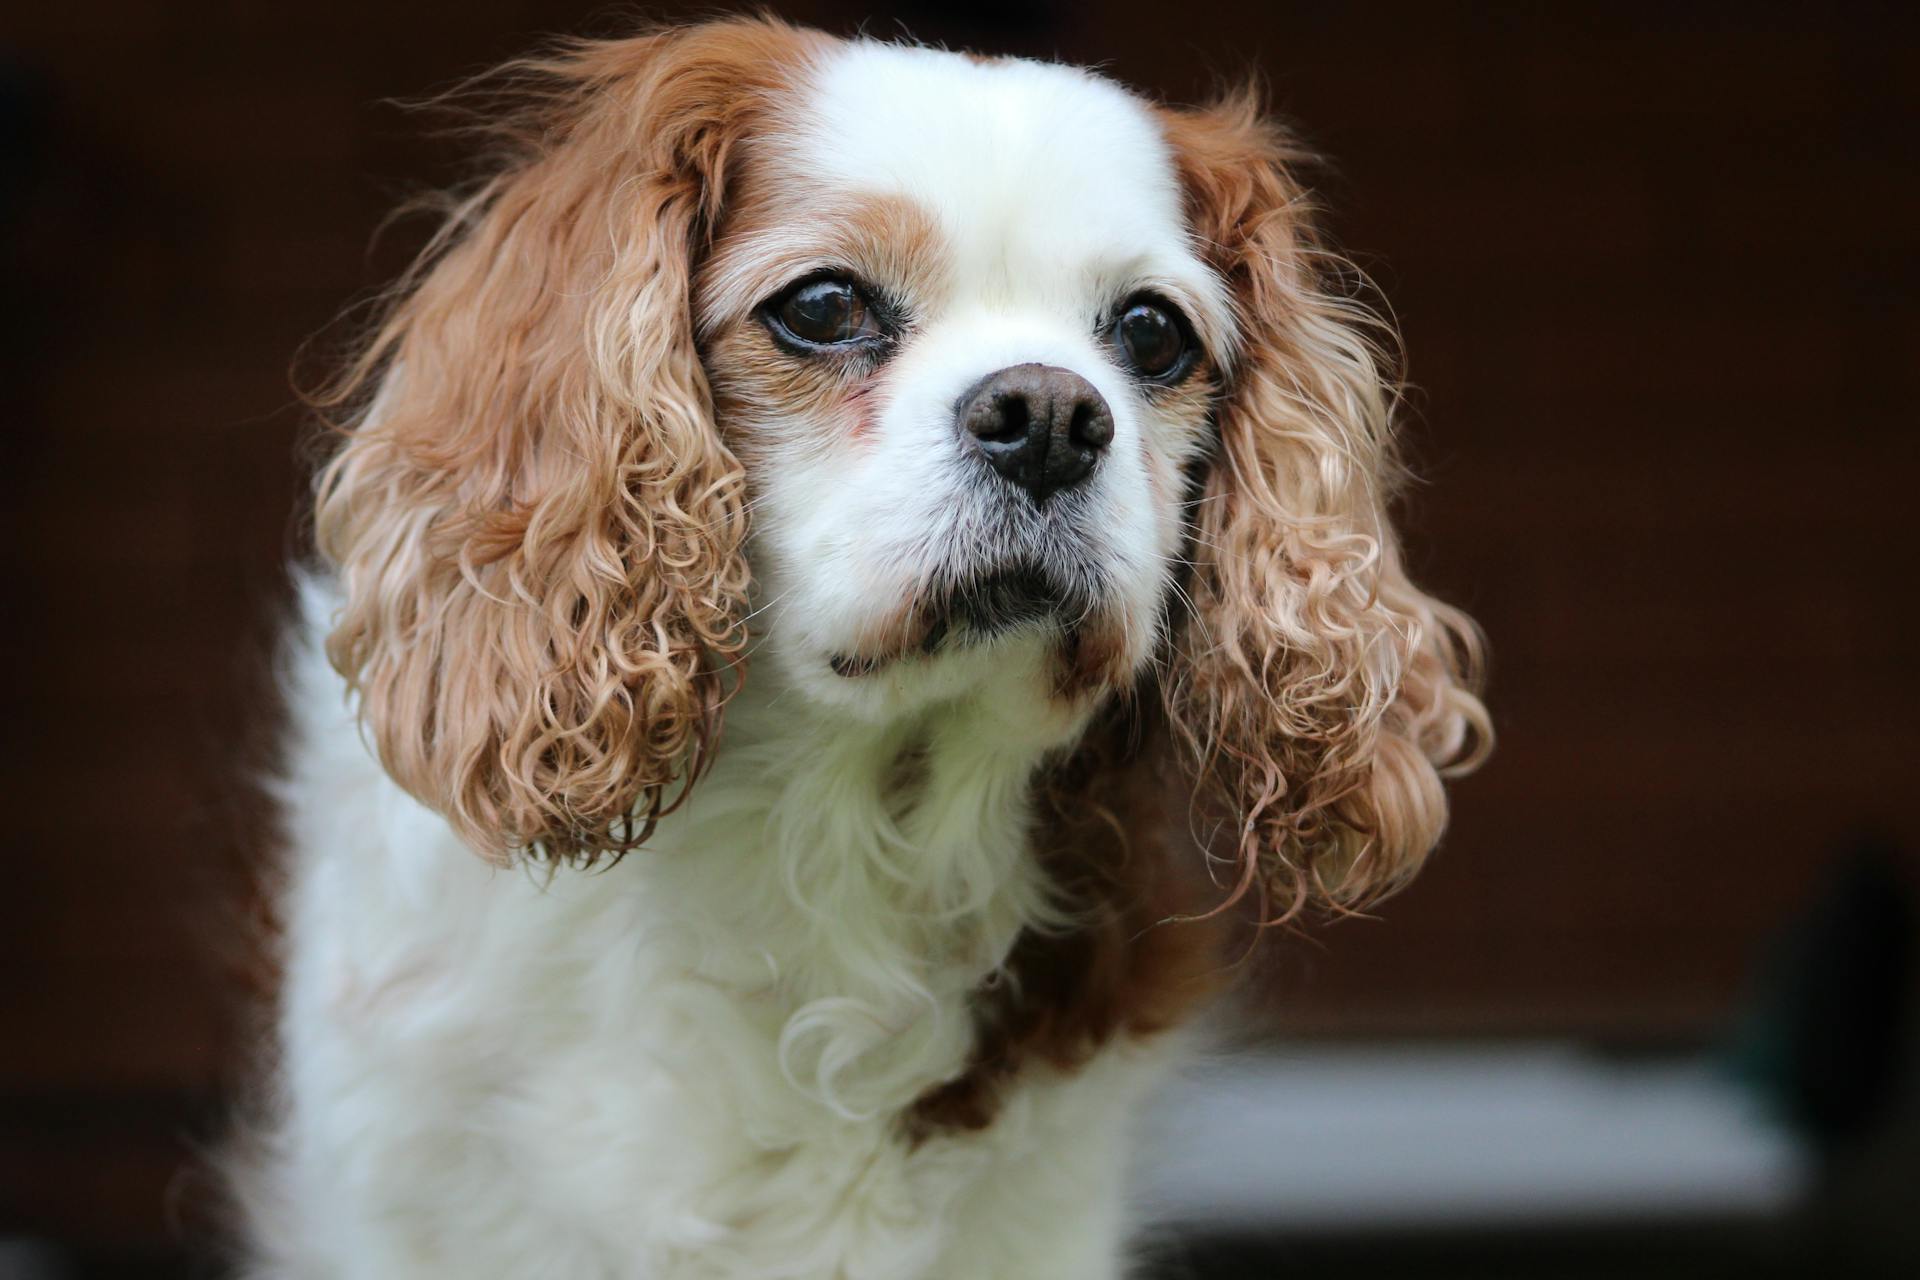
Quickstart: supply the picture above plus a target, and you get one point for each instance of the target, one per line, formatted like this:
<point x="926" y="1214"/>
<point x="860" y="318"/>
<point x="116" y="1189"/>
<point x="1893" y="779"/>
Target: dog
<point x="850" y="576"/>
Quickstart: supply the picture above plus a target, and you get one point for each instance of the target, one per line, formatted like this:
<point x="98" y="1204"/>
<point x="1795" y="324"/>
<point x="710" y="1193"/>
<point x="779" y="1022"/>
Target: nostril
<point x="999" y="418"/>
<point x="1091" y="425"/>
<point x="1016" y="415"/>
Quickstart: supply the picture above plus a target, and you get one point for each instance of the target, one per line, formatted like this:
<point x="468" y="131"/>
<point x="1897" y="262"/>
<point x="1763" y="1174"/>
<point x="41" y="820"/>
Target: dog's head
<point x="926" y="378"/>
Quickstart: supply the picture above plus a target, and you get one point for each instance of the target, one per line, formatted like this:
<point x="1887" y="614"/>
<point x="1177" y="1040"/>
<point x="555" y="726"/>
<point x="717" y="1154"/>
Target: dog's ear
<point x="1321" y="693"/>
<point x="537" y="529"/>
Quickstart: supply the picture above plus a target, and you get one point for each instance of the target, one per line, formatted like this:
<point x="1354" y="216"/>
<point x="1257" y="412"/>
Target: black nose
<point x="1041" y="427"/>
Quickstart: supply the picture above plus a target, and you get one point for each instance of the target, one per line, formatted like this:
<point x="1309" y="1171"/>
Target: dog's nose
<point x="1040" y="426"/>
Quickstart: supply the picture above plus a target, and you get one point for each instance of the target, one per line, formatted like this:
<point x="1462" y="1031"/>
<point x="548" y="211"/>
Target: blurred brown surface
<point x="1657" y="275"/>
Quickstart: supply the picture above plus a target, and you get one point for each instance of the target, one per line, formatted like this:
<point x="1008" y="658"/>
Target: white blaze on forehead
<point x="1048" y="182"/>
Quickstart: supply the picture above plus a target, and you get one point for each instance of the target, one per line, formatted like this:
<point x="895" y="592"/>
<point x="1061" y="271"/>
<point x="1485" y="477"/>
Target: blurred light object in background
<point x="1335" y="1138"/>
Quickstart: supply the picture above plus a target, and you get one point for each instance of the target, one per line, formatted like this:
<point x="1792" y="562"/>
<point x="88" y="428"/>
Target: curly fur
<point x="538" y="531"/>
<point x="1319" y="693"/>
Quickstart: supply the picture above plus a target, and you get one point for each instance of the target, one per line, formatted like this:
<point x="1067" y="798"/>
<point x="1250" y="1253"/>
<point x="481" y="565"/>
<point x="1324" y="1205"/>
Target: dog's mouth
<point x="972" y="611"/>
<point x="995" y="603"/>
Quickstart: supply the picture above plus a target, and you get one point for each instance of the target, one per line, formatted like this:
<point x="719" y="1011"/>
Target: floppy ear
<point x="1322" y="695"/>
<point x="536" y="526"/>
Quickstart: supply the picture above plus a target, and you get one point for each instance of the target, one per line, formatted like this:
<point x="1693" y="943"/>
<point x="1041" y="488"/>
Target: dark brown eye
<point x="825" y="313"/>
<point x="1151" y="338"/>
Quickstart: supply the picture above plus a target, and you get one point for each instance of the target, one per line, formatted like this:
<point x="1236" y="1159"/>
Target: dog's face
<point x="959" y="335"/>
<point x="918" y="376"/>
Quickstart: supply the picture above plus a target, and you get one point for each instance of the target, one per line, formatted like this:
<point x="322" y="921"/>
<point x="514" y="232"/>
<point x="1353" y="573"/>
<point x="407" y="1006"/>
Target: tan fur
<point x="537" y="526"/>
<point x="781" y="224"/>
<point x="1319" y="693"/>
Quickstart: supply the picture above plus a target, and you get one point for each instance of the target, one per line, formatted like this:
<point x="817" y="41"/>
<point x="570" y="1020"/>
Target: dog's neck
<point x="858" y="880"/>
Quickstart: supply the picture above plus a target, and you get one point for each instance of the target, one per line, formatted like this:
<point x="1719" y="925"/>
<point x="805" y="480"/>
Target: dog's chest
<point x="679" y="1113"/>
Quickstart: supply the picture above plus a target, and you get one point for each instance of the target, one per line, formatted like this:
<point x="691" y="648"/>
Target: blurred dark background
<point x="1656" y="266"/>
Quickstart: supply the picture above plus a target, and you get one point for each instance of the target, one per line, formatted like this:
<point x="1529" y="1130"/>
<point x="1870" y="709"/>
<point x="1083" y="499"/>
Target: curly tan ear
<point x="1321" y="694"/>
<point x="537" y="528"/>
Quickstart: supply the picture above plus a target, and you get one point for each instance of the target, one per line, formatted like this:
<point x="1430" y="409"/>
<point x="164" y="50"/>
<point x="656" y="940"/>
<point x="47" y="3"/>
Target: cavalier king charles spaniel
<point x="854" y="577"/>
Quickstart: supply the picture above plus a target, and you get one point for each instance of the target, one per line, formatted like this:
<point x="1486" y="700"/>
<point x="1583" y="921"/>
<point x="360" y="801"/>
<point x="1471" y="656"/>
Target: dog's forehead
<point x="1030" y="169"/>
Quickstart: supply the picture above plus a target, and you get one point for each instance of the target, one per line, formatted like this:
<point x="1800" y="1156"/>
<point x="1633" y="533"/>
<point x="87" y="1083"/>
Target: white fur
<point x="1056" y="198"/>
<point x="693" y="1063"/>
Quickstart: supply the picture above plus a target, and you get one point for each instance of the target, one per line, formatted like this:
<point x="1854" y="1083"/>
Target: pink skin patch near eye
<point x="864" y="411"/>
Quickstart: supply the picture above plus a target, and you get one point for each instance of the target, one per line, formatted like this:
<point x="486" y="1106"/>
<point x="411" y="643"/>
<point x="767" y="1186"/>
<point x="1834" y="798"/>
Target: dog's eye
<point x="825" y="313"/>
<point x="1151" y="338"/>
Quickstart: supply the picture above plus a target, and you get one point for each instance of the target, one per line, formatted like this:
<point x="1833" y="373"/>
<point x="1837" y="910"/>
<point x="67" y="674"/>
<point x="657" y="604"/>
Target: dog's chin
<point x="975" y="611"/>
<point x="1026" y="647"/>
<point x="993" y="604"/>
